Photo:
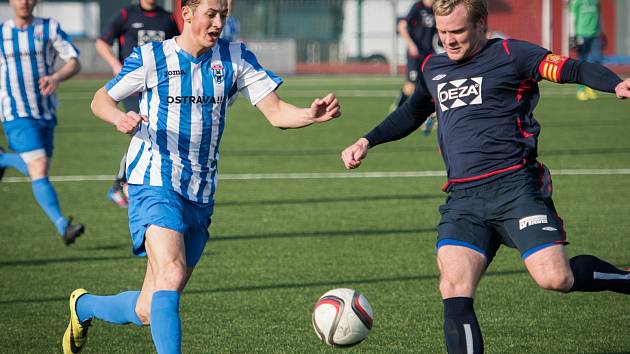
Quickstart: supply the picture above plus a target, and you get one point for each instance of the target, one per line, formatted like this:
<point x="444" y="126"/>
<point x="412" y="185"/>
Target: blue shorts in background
<point x="161" y="206"/>
<point x="27" y="134"/>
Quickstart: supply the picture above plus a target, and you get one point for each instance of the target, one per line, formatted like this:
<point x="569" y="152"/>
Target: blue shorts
<point x="159" y="206"/>
<point x="27" y="134"/>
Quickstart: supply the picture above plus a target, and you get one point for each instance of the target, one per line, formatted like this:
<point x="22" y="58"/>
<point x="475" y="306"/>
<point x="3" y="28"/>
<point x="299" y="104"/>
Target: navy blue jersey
<point x="421" y="27"/>
<point x="134" y="27"/>
<point x="485" y="107"/>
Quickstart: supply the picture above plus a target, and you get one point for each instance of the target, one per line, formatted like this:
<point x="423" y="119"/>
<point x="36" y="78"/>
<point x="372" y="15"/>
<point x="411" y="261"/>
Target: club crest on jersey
<point x="217" y="73"/>
<point x="459" y="93"/>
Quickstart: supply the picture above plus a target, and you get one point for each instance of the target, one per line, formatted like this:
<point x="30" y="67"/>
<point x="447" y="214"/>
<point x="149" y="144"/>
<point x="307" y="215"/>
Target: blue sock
<point x="47" y="198"/>
<point x="15" y="161"/>
<point x="166" y="328"/>
<point x="117" y="309"/>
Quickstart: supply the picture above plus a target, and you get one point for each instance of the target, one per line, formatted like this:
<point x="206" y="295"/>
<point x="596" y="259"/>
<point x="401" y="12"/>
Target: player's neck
<point x="189" y="45"/>
<point x="22" y="22"/>
<point x="147" y="6"/>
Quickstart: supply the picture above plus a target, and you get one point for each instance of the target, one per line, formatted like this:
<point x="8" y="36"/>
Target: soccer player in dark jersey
<point x="485" y="92"/>
<point x="417" y="29"/>
<point x="131" y="27"/>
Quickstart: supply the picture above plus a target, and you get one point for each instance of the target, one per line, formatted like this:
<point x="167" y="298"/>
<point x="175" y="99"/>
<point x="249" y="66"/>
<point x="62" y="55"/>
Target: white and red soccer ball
<point x="342" y="317"/>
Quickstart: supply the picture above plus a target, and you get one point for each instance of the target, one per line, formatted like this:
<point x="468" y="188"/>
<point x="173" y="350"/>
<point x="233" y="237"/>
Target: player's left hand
<point x="48" y="85"/>
<point x="325" y="109"/>
<point x="623" y="89"/>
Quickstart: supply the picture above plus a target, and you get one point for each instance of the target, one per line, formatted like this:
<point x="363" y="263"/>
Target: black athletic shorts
<point x="515" y="210"/>
<point x="413" y="67"/>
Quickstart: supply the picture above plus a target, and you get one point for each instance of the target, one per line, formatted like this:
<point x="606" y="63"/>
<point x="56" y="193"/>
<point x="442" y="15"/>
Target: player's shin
<point x="46" y="197"/>
<point x="593" y="274"/>
<point x="166" y="327"/>
<point x="461" y="329"/>
<point x="116" y="309"/>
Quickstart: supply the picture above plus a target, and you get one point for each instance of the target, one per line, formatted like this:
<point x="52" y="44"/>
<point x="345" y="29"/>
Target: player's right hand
<point x="129" y="122"/>
<point x="354" y="153"/>
<point x="623" y="89"/>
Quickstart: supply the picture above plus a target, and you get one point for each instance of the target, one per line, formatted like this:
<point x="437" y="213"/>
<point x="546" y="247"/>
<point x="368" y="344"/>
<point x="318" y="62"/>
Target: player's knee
<point x="171" y="276"/>
<point x="38" y="168"/>
<point x="557" y="281"/>
<point x="455" y="288"/>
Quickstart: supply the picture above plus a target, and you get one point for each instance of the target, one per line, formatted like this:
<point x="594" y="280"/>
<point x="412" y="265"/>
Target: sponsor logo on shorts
<point x="549" y="228"/>
<point x="532" y="220"/>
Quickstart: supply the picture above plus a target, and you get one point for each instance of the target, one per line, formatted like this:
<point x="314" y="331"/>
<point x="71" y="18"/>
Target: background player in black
<point x="417" y="29"/>
<point x="486" y="91"/>
<point x="132" y="26"/>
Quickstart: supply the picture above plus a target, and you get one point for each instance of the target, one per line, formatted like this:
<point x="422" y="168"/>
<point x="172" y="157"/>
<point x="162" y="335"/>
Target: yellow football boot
<point x="76" y="334"/>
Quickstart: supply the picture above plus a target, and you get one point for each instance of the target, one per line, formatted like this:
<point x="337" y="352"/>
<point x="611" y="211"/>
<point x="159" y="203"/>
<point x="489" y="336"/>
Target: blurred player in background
<point x="131" y="27"/>
<point x="587" y="39"/>
<point x="486" y="92"/>
<point x="28" y="102"/>
<point x="232" y="29"/>
<point x="185" y="84"/>
<point x="417" y="29"/>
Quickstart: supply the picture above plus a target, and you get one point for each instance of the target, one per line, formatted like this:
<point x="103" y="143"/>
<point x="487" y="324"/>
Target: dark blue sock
<point x="593" y="274"/>
<point x="15" y="161"/>
<point x="117" y="309"/>
<point x="461" y="329"/>
<point x="166" y="328"/>
<point x="47" y="198"/>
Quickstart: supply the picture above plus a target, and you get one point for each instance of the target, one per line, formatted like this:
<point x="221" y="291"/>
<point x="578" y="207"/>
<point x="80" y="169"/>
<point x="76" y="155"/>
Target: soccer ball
<point x="342" y="317"/>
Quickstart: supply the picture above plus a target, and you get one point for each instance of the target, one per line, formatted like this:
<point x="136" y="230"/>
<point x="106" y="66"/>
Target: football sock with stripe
<point x="117" y="309"/>
<point x="593" y="274"/>
<point x="14" y="161"/>
<point x="461" y="329"/>
<point x="166" y="327"/>
<point x="47" y="199"/>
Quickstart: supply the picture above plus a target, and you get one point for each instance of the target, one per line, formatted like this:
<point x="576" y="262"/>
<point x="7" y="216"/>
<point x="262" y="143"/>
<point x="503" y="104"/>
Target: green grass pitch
<point x="278" y="244"/>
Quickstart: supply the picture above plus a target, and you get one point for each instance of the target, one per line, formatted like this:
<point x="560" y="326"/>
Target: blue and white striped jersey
<point x="26" y="55"/>
<point x="186" y="100"/>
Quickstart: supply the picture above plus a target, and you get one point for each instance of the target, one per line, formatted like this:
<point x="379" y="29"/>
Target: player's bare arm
<point x="287" y="116"/>
<point x="105" y="51"/>
<point x="104" y="107"/>
<point x="48" y="84"/>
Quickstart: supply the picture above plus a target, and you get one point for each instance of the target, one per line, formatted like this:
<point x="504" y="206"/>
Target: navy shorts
<point x="413" y="67"/>
<point x="515" y="210"/>
<point x="159" y="206"/>
<point x="28" y="134"/>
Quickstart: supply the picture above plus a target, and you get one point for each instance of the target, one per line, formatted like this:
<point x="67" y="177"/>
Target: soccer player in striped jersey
<point x="186" y="84"/>
<point x="485" y="91"/>
<point x="29" y="46"/>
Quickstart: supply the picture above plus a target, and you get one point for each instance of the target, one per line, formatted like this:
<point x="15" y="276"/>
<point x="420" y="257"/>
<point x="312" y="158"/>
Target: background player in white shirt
<point x="29" y="46"/>
<point x="186" y="84"/>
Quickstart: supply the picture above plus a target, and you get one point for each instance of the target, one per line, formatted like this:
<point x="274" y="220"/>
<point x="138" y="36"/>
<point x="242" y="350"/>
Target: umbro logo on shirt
<point x="137" y="25"/>
<point x="438" y="77"/>
<point x="459" y="93"/>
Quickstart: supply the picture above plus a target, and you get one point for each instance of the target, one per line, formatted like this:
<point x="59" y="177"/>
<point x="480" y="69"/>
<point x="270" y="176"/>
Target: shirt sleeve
<point x="131" y="78"/>
<point x="62" y="42"/>
<point x="114" y="27"/>
<point x="527" y="58"/>
<point x="405" y="119"/>
<point x="254" y="81"/>
<point x="412" y="14"/>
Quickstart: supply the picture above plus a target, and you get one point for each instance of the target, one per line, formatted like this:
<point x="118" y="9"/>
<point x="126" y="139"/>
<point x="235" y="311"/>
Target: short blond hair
<point x="477" y="9"/>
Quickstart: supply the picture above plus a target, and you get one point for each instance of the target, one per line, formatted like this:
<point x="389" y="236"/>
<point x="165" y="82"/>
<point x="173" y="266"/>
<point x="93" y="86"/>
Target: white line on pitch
<point x="322" y="175"/>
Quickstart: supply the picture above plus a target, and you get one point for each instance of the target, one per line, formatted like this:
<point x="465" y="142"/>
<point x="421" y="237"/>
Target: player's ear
<point x="187" y="13"/>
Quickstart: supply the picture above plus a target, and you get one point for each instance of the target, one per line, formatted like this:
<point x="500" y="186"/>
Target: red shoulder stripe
<point x="425" y="61"/>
